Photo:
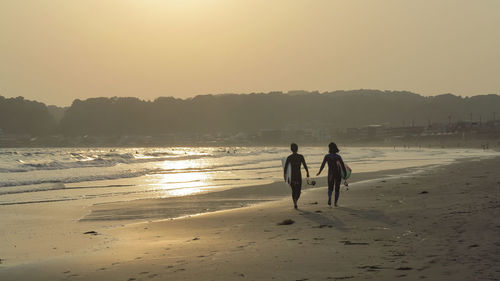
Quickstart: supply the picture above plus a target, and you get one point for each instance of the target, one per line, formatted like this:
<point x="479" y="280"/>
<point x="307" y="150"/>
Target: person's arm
<point x="342" y="165"/>
<point x="322" y="166"/>
<point x="305" y="165"/>
<point x="286" y="167"/>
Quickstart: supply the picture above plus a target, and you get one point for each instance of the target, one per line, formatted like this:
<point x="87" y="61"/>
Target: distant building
<point x="405" y="131"/>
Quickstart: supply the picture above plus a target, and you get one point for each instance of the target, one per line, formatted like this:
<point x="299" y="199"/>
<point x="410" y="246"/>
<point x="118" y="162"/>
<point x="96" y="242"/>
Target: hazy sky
<point x="58" y="50"/>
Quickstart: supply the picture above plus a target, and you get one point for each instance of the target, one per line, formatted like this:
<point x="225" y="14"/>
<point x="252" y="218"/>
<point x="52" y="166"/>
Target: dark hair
<point x="294" y="147"/>
<point x="332" y="148"/>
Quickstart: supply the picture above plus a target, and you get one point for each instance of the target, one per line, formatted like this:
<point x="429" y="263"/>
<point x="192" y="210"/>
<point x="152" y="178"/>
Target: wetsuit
<point x="295" y="160"/>
<point x="335" y="163"/>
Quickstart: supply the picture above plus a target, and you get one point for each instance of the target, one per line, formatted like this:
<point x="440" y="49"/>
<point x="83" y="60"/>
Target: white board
<point x="288" y="176"/>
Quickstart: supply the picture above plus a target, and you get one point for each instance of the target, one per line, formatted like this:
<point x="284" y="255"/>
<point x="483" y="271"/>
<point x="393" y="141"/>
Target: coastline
<point x="442" y="224"/>
<point x="41" y="231"/>
<point x="175" y="207"/>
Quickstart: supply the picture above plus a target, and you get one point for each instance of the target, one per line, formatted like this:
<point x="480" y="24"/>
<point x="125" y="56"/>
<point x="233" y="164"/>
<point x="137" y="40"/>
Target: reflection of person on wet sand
<point x="295" y="160"/>
<point x="335" y="163"/>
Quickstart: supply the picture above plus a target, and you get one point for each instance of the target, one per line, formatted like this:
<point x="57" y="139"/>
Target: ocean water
<point x="40" y="175"/>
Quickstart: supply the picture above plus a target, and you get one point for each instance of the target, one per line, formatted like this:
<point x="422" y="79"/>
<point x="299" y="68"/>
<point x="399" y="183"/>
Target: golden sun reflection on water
<point x="182" y="164"/>
<point x="180" y="182"/>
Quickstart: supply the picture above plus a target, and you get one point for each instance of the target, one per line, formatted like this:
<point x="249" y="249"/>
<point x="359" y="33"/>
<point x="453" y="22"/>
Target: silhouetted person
<point x="335" y="163"/>
<point x="295" y="160"/>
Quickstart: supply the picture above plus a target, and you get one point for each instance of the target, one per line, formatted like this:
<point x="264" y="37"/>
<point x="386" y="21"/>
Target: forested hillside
<point x="253" y="112"/>
<point x="233" y="113"/>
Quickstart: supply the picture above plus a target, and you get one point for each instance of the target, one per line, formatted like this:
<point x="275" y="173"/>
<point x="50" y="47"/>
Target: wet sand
<point x="439" y="225"/>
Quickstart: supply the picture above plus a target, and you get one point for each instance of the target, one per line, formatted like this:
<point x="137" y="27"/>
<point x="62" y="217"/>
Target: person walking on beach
<point x="295" y="160"/>
<point x="335" y="163"/>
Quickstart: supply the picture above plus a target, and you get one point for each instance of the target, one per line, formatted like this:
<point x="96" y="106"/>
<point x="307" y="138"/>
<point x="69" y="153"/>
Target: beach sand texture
<point x="443" y="224"/>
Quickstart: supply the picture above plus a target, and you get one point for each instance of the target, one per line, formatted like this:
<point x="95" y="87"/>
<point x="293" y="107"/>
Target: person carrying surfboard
<point x="335" y="168"/>
<point x="293" y="162"/>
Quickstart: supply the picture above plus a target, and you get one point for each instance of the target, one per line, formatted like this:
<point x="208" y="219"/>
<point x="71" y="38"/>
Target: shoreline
<point x="228" y="199"/>
<point x="58" y="226"/>
<point x="394" y="234"/>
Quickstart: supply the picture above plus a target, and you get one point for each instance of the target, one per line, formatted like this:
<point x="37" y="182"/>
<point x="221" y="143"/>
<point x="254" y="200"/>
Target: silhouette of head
<point x="294" y="147"/>
<point x="332" y="148"/>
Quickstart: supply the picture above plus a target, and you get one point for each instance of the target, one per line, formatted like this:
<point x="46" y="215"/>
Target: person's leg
<point x="337" y="190"/>
<point x="295" y="193"/>
<point x="298" y="190"/>
<point x="330" y="191"/>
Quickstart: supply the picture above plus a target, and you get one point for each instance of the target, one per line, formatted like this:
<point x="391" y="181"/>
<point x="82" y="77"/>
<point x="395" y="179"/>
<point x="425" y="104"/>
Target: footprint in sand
<point x="371" y="267"/>
<point x="180" y="269"/>
<point x="286" y="222"/>
<point x="323" y="226"/>
<point x="347" y="242"/>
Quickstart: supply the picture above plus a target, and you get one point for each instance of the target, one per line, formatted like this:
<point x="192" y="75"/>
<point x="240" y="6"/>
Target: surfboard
<point x="288" y="176"/>
<point x="348" y="172"/>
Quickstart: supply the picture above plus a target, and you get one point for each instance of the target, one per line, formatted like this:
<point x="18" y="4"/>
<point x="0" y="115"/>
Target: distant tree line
<point x="20" y="116"/>
<point x="243" y="112"/>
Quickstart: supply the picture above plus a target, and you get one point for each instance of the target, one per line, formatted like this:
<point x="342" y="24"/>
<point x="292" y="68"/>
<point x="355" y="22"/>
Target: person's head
<point x="294" y="147"/>
<point x="332" y="148"/>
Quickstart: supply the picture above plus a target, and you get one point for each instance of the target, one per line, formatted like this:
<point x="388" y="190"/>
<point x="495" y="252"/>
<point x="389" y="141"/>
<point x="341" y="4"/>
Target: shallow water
<point x="35" y="175"/>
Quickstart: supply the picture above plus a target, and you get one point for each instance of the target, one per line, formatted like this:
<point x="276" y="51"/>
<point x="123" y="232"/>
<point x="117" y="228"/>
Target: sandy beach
<point x="441" y="224"/>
